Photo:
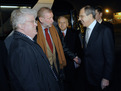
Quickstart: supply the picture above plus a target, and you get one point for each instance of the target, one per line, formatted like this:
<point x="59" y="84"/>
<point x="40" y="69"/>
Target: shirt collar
<point x="43" y="27"/>
<point x="91" y="26"/>
<point x="64" y="31"/>
<point x="29" y="37"/>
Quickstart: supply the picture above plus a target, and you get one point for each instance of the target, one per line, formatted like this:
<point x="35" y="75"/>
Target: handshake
<point x="77" y="62"/>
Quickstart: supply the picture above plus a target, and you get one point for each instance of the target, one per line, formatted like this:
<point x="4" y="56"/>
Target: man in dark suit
<point x="3" y="72"/>
<point x="72" y="70"/>
<point x="98" y="51"/>
<point x="28" y="66"/>
<point x="98" y="17"/>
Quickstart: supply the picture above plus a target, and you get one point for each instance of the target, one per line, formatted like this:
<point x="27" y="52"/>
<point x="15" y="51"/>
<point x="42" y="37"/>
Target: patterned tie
<point x="87" y="35"/>
<point x="48" y="39"/>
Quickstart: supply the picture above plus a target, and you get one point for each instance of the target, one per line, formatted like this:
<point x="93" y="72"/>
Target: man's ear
<point x="40" y="19"/>
<point x="21" y="26"/>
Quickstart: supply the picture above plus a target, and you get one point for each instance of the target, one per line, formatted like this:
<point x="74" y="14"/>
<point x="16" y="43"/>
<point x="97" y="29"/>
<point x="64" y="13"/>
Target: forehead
<point x="82" y="11"/>
<point x="62" y="19"/>
<point x="48" y="14"/>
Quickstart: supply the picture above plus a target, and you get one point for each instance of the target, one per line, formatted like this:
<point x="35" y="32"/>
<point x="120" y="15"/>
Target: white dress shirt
<point x="90" y="29"/>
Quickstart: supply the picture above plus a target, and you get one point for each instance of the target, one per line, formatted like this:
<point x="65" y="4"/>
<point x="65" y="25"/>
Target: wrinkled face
<point x="63" y="23"/>
<point x="29" y="27"/>
<point x="47" y="20"/>
<point x="98" y="15"/>
<point x="85" y="19"/>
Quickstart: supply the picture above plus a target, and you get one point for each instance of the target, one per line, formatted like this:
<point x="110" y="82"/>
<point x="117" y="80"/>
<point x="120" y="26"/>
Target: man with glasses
<point x="28" y="66"/>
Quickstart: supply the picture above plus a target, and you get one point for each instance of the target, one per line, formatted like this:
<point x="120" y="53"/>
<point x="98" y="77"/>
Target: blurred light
<point x="9" y="6"/>
<point x="105" y="19"/>
<point x="14" y="7"/>
<point x="119" y="13"/>
<point x="107" y="10"/>
<point x="25" y="7"/>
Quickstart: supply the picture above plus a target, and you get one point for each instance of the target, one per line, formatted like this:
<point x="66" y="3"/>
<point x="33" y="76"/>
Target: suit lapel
<point x="93" y="35"/>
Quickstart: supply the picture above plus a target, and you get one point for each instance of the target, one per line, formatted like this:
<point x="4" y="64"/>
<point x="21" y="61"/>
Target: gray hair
<point x="18" y="16"/>
<point x="89" y="10"/>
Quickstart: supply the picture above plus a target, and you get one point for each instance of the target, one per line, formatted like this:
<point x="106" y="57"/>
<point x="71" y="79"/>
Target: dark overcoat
<point x="28" y="66"/>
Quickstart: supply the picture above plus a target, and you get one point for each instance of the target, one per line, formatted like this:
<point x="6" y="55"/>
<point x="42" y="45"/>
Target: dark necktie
<point x="48" y="39"/>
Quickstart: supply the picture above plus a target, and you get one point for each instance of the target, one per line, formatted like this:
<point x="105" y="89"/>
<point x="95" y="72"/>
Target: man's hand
<point x="77" y="60"/>
<point x="104" y="83"/>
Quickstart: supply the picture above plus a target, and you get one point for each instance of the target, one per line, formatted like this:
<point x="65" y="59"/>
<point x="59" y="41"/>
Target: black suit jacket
<point x="28" y="66"/>
<point x="99" y="55"/>
<point x="110" y="25"/>
<point x="72" y="41"/>
<point x="3" y="71"/>
<point x="67" y="52"/>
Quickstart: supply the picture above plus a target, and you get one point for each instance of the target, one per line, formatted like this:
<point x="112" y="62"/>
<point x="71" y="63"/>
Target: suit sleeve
<point x="108" y="46"/>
